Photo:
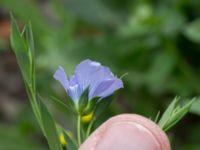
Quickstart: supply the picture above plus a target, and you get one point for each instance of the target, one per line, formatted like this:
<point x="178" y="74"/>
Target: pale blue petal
<point x="74" y="92"/>
<point x="115" y="86"/>
<point x="61" y="77"/>
<point x="101" y="88"/>
<point x="91" y="73"/>
<point x="73" y="80"/>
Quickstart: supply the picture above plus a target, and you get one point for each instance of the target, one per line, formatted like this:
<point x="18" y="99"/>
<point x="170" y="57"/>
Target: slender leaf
<point x="20" y="46"/>
<point x="20" y="49"/>
<point x="49" y="127"/>
<point x="178" y="115"/>
<point x="157" y="117"/>
<point x="174" y="114"/>
<point x="168" y="112"/>
<point x="60" y="103"/>
<point x="71" y="144"/>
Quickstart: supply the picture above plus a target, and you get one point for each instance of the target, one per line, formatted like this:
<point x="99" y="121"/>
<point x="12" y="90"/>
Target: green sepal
<point x="101" y="106"/>
<point x="83" y="101"/>
<point x="91" y="105"/>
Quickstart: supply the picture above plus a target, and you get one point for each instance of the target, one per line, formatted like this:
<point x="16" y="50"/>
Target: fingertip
<point x="127" y="131"/>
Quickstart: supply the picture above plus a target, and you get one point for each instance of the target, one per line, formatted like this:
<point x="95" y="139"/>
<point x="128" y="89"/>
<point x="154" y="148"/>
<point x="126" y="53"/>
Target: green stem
<point x="34" y="104"/>
<point x="79" y="130"/>
<point x="89" y="128"/>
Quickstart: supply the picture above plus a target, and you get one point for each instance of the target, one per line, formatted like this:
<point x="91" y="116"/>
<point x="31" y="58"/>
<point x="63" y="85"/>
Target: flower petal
<point x="91" y="73"/>
<point x="61" y="77"/>
<point x="74" y="92"/>
<point x="73" y="80"/>
<point x="101" y="88"/>
<point x="117" y="84"/>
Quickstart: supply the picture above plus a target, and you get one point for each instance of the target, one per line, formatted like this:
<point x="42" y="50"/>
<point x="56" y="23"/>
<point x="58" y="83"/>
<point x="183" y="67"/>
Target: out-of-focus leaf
<point x="140" y="22"/>
<point x="66" y="138"/>
<point x="192" y="31"/>
<point x="171" y="21"/>
<point x="160" y="69"/>
<point x="32" y="12"/>
<point x="71" y="145"/>
<point x="93" y="11"/>
<point x="19" y="141"/>
<point x="196" y="107"/>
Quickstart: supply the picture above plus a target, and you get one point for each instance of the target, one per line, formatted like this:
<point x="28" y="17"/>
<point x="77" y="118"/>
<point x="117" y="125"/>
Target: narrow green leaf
<point x="168" y="112"/>
<point x="24" y="58"/>
<point x="29" y="36"/>
<point x="24" y="31"/>
<point x="49" y="127"/>
<point x="68" y="141"/>
<point x="31" y="50"/>
<point x="34" y="104"/>
<point x="60" y="103"/>
<point x="20" y="49"/>
<point x="178" y="115"/>
<point x="71" y="144"/>
<point x="174" y="114"/>
<point x="157" y="75"/>
<point x="157" y="117"/>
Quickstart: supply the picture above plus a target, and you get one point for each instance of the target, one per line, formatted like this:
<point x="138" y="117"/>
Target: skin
<point x="127" y="132"/>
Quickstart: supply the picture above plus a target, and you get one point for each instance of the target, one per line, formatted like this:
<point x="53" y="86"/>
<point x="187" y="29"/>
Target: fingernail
<point x="127" y="136"/>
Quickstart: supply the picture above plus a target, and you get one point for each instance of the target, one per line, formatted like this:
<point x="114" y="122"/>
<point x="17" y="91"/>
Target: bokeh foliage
<point x="156" y="42"/>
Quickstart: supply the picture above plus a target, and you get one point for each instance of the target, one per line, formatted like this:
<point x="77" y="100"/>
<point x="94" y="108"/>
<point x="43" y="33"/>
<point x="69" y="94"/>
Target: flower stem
<point x="89" y="128"/>
<point x="79" y="130"/>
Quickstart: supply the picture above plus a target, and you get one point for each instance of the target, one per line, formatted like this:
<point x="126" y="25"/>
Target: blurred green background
<point x="157" y="42"/>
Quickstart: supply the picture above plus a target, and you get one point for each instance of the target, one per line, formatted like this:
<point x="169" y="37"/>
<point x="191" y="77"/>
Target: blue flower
<point x="99" y="79"/>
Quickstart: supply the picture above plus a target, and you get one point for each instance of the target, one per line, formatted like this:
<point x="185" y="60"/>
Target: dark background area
<point x="156" y="42"/>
